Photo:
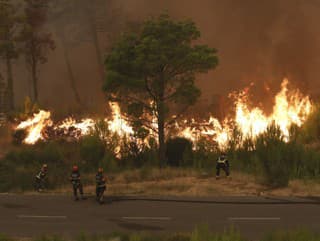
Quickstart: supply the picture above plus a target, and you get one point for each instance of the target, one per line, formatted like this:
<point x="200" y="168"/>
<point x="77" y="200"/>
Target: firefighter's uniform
<point x="76" y="183"/>
<point x="100" y="185"/>
<point x="222" y="163"/>
<point x="40" y="178"/>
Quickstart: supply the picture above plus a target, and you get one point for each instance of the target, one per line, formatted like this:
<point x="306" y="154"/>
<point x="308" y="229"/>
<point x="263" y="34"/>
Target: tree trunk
<point x="69" y="69"/>
<point x="94" y="35"/>
<point x="34" y="79"/>
<point x="161" y="136"/>
<point x="161" y="121"/>
<point x="10" y="82"/>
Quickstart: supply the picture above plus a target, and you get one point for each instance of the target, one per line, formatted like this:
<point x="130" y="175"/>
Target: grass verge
<point x="191" y="183"/>
<point x="200" y="233"/>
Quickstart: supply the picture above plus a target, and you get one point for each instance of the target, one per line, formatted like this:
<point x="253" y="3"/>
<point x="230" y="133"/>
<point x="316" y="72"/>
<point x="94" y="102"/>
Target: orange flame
<point x="34" y="126"/>
<point x="290" y="108"/>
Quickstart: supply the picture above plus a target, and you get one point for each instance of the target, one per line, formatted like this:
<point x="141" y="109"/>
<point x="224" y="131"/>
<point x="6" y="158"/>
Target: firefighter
<point x="41" y="177"/>
<point x="100" y="185"/>
<point x="222" y="163"/>
<point x="76" y="183"/>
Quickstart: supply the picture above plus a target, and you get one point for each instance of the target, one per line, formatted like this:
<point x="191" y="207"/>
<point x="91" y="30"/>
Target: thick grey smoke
<point x="257" y="41"/>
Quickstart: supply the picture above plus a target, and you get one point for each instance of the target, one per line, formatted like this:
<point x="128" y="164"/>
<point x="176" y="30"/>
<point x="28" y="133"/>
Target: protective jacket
<point x="100" y="180"/>
<point x="41" y="175"/>
<point x="222" y="160"/>
<point x="75" y="178"/>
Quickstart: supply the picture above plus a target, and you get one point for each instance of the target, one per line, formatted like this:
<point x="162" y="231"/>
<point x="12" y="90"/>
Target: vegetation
<point x="152" y="72"/>
<point x="273" y="161"/>
<point x="10" y="22"/>
<point x="200" y="233"/>
<point x="36" y="42"/>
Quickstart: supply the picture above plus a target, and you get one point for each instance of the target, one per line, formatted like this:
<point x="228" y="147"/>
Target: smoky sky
<point x="258" y="42"/>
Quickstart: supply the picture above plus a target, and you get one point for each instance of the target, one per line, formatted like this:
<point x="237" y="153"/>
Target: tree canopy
<point x="152" y="71"/>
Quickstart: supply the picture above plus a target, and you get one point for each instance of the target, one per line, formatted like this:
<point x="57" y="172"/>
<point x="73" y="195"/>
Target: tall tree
<point x="37" y="43"/>
<point x="90" y="21"/>
<point x="61" y="15"/>
<point x="153" y="71"/>
<point x="9" y="28"/>
<point x="100" y="17"/>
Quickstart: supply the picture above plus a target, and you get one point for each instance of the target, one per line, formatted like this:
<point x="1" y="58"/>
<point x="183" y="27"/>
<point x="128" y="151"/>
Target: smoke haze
<point x="257" y="41"/>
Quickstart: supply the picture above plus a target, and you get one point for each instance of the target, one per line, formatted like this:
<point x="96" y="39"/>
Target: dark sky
<point x="257" y="41"/>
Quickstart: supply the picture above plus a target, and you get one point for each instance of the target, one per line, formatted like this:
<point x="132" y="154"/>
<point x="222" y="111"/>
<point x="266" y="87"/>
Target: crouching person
<point x="100" y="186"/>
<point x="222" y="163"/>
<point x="76" y="183"/>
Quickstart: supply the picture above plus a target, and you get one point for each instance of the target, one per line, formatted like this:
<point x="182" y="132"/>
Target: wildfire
<point x="290" y="107"/>
<point x="35" y="125"/>
<point x="118" y="124"/>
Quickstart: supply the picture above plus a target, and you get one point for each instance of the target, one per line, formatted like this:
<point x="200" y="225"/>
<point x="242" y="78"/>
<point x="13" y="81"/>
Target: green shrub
<point x="23" y="178"/>
<point x="310" y="131"/>
<point x="109" y="163"/>
<point x="92" y="150"/>
<point x="271" y="153"/>
<point x="300" y="235"/>
<point x="49" y="238"/>
<point x="5" y="238"/>
<point x="202" y="233"/>
<point x="179" y="152"/>
<point x="204" y="156"/>
<point x="51" y="153"/>
<point x="26" y="156"/>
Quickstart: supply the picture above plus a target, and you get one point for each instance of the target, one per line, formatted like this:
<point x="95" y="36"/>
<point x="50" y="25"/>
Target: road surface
<point x="34" y="215"/>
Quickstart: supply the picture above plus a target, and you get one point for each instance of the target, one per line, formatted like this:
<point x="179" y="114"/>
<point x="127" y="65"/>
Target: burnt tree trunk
<point x="34" y="77"/>
<point x="10" y="82"/>
<point x="94" y="35"/>
<point x="69" y="68"/>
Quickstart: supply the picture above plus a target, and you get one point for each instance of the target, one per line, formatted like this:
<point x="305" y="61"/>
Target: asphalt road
<point x="34" y="215"/>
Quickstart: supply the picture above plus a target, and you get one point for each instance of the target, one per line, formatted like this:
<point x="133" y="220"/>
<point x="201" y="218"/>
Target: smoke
<point x="258" y="42"/>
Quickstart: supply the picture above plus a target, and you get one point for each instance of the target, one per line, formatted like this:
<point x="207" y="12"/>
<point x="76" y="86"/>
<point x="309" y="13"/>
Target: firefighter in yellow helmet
<point x="41" y="177"/>
<point x="100" y="185"/>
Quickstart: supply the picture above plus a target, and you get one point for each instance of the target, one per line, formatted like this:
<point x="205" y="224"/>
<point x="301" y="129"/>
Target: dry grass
<point x="191" y="183"/>
<point x="298" y="188"/>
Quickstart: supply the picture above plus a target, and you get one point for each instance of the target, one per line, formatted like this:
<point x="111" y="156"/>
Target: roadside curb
<point x="264" y="200"/>
<point x="232" y="200"/>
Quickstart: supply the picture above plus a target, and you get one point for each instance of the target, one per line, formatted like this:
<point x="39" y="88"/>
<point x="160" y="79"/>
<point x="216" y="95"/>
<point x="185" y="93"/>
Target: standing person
<point x="40" y="178"/>
<point x="100" y="185"/>
<point x="76" y="183"/>
<point x="222" y="163"/>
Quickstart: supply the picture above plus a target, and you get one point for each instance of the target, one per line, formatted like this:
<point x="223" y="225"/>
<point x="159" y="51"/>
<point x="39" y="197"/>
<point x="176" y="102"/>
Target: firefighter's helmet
<point x="75" y="168"/>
